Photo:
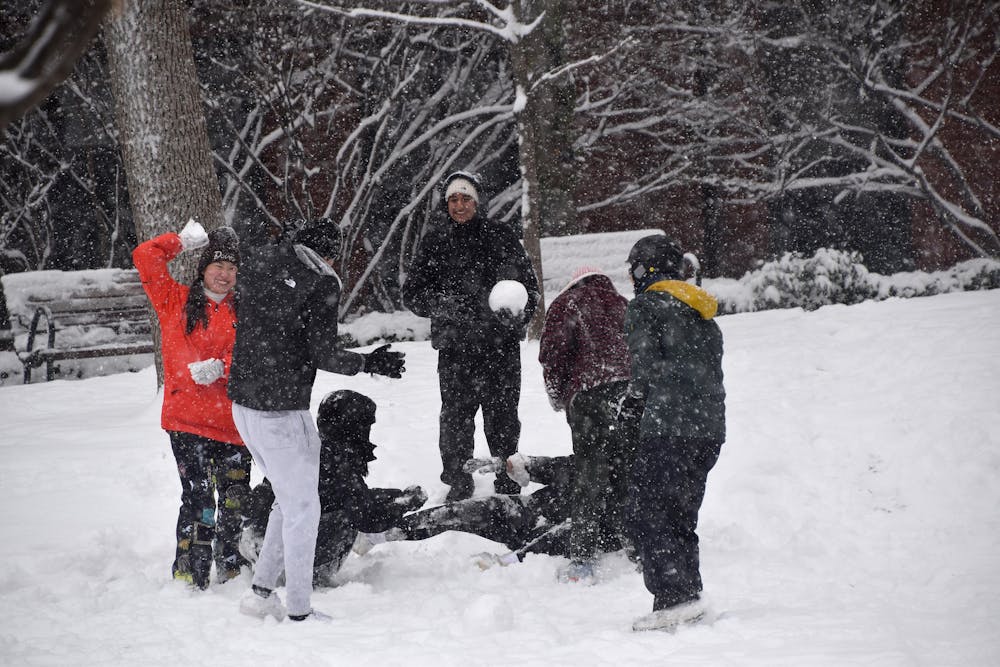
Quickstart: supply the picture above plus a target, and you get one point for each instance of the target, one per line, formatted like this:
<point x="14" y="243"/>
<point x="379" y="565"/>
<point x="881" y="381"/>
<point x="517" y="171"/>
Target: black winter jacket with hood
<point x="342" y="488"/>
<point x="287" y="301"/>
<point x="452" y="274"/>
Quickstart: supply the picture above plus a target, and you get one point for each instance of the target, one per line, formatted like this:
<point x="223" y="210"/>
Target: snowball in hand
<point x="509" y="294"/>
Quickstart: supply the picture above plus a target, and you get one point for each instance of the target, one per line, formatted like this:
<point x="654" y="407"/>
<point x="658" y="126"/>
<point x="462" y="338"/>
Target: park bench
<point x="607" y="251"/>
<point x="63" y="315"/>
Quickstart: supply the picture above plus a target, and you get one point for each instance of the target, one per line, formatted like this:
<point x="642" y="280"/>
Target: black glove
<point x="630" y="409"/>
<point x="381" y="361"/>
<point x="508" y="319"/>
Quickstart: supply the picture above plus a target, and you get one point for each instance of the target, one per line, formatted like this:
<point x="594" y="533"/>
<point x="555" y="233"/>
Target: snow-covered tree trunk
<point x="160" y="118"/>
<point x="545" y="127"/>
<point x="530" y="220"/>
<point x="161" y="124"/>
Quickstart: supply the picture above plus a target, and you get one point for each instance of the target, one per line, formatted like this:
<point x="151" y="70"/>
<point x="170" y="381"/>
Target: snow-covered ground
<point x="853" y="519"/>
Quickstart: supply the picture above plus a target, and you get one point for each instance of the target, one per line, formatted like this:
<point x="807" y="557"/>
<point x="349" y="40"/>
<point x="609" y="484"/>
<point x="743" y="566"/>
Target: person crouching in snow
<point x="348" y="506"/>
<point x="197" y="326"/>
<point x="585" y="364"/>
<point x="677" y="390"/>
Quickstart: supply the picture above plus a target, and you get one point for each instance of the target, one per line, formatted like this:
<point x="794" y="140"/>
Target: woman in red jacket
<point x="198" y="326"/>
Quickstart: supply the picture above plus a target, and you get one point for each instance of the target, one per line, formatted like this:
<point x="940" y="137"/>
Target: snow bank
<point x="853" y="519"/>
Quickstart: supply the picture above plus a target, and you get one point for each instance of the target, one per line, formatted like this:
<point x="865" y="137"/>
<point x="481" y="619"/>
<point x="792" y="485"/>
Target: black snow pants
<point x="536" y="523"/>
<point x="208" y="530"/>
<point x="471" y="378"/>
<point x="666" y="489"/>
<point x="603" y="451"/>
<point x="338" y="529"/>
<point x="334" y="540"/>
<point x="514" y="521"/>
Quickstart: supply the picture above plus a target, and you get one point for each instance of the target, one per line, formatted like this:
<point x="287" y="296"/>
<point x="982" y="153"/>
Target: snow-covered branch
<point x="46" y="54"/>
<point x="510" y="28"/>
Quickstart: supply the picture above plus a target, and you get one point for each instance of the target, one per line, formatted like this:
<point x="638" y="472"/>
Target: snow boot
<point x="669" y="619"/>
<point x="201" y="566"/>
<point x="261" y="602"/>
<point x="312" y="615"/>
<point x="578" y="572"/>
<point x="230" y="567"/>
<point x="194" y="567"/>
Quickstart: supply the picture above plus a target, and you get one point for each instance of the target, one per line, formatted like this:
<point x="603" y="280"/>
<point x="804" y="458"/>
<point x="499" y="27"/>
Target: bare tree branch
<point x="60" y="33"/>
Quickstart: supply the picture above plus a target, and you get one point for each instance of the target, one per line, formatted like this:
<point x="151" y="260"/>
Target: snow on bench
<point x="96" y="313"/>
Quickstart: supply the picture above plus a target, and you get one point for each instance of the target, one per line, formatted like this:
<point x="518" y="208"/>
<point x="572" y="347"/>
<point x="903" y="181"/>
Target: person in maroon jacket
<point x="586" y="366"/>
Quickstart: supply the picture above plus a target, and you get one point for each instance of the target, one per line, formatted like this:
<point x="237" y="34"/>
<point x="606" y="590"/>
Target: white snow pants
<point x="285" y="446"/>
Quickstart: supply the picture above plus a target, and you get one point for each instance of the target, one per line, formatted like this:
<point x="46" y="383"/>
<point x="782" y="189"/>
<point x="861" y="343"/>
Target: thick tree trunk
<point x="161" y="124"/>
<point x="530" y="219"/>
<point x="160" y="118"/>
<point x="545" y="127"/>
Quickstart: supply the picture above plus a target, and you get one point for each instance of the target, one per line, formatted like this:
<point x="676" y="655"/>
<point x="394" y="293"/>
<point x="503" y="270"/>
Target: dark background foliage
<point x="746" y="130"/>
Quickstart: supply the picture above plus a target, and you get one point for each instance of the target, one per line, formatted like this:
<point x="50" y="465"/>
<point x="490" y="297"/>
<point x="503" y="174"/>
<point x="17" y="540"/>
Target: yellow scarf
<point x="692" y="295"/>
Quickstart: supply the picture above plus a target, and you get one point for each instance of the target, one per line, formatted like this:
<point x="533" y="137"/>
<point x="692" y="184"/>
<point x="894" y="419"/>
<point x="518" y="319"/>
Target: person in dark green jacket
<point x="677" y="391"/>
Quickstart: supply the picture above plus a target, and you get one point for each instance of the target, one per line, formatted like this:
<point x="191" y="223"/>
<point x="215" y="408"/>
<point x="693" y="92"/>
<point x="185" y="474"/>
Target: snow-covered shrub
<point x="384" y="327"/>
<point x="828" y="277"/>
<point x="794" y="281"/>
<point x="970" y="275"/>
<point x="837" y="277"/>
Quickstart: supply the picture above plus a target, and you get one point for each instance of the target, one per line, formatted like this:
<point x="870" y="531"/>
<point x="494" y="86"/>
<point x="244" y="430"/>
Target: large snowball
<point x="509" y="294"/>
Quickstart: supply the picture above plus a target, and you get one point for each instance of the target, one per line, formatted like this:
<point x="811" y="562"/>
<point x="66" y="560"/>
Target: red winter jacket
<point x="583" y="341"/>
<point x="189" y="407"/>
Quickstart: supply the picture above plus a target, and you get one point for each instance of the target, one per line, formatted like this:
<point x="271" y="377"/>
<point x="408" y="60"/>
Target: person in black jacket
<point x="347" y="505"/>
<point x="456" y="267"/>
<point x="287" y="302"/>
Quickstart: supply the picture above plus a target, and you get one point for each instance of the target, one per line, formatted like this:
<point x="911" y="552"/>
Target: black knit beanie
<point x="321" y="235"/>
<point x="346" y="415"/>
<point x="223" y="246"/>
